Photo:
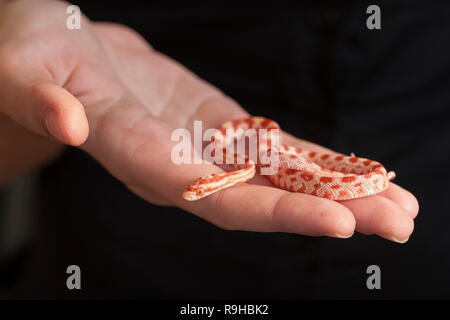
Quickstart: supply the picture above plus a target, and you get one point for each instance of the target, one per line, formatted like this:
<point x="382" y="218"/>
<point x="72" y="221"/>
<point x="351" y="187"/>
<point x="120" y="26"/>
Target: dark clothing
<point x="316" y="69"/>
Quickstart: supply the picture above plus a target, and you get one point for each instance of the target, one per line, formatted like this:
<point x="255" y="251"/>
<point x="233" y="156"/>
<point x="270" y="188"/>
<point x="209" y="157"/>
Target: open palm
<point x="105" y="89"/>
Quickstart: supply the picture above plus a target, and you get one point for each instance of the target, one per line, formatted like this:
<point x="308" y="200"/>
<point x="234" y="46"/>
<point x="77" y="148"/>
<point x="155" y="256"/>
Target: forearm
<point x="22" y="151"/>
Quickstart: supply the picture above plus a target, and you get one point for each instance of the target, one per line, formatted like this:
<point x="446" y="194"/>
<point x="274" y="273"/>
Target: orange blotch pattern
<point x="326" y="179"/>
<point x="348" y="179"/>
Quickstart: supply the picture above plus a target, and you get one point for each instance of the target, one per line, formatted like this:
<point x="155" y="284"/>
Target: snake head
<point x="192" y="194"/>
<point x="196" y="190"/>
<point x="212" y="183"/>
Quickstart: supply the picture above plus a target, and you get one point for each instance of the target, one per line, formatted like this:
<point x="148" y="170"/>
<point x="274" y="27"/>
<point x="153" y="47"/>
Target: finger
<point x="382" y="216"/>
<point x="267" y="209"/>
<point x="46" y="109"/>
<point x="29" y="96"/>
<point x="403" y="198"/>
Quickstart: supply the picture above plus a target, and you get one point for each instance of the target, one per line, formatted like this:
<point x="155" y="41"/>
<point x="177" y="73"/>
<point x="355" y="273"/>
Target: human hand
<point x="103" y="88"/>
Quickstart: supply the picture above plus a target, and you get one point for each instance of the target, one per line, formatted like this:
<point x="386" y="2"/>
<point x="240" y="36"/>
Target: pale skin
<point x="104" y="89"/>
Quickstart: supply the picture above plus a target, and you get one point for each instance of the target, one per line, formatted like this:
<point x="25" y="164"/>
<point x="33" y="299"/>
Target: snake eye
<point x="200" y="192"/>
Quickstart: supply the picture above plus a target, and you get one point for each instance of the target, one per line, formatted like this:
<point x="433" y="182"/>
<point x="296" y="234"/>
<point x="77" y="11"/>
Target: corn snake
<point x="324" y="174"/>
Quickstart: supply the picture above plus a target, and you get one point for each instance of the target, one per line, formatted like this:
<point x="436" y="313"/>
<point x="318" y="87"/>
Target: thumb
<point x="47" y="109"/>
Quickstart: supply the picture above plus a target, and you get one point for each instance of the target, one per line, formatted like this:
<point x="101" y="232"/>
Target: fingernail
<point x="399" y="241"/>
<point x="337" y="235"/>
<point x="52" y="126"/>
